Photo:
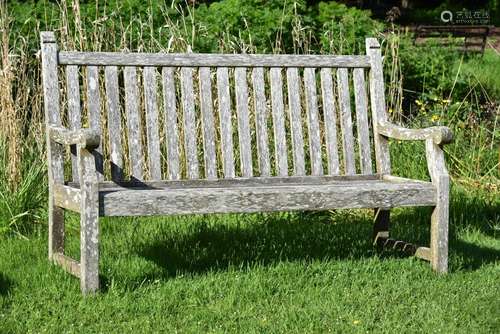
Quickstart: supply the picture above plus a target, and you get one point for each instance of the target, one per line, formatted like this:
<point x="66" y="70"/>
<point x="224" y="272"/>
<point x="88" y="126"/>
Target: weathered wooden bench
<point x="225" y="133"/>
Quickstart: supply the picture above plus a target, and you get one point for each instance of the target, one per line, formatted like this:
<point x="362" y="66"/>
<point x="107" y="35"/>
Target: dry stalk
<point x="10" y="125"/>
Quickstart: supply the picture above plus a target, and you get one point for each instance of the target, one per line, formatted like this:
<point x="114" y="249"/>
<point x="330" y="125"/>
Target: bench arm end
<point x="440" y="135"/>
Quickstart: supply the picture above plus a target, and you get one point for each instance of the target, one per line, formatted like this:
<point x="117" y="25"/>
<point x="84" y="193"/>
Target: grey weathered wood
<point x="313" y="121"/>
<point x="238" y="182"/>
<point x="74" y="111"/>
<point x="362" y="121"/>
<point x="133" y="123"/>
<point x="330" y="119"/>
<point x="293" y="85"/>
<point x="245" y="143"/>
<point x="68" y="264"/>
<point x="394" y="178"/>
<point x="89" y="223"/>
<point x="265" y="198"/>
<point x="85" y="138"/>
<point x="261" y="116"/>
<point x="209" y="60"/>
<point x="114" y="122"/>
<point x="439" y="134"/>
<point x="346" y="121"/>
<point x="172" y="133"/>
<point x="440" y="214"/>
<point x="94" y="108"/>
<point x="208" y="123"/>
<point x="67" y="197"/>
<point x="190" y="136"/>
<point x="118" y="197"/>
<point x="152" y="126"/>
<point x="423" y="253"/>
<point x="226" y="127"/>
<point x="54" y="150"/>
<point x="377" y="102"/>
<point x="280" y="148"/>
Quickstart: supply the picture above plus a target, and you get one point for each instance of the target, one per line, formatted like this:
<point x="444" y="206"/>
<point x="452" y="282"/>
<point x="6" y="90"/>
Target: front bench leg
<point x="440" y="215"/>
<point x="89" y="223"/>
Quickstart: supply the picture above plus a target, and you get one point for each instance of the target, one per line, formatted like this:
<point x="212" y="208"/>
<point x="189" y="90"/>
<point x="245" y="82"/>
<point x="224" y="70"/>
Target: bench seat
<point x="255" y="195"/>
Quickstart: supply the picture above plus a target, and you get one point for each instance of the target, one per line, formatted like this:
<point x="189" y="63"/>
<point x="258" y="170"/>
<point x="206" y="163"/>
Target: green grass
<point x="263" y="273"/>
<point x="486" y="70"/>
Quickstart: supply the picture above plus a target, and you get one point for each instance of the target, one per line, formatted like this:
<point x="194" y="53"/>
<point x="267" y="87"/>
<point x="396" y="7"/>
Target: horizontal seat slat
<point x="238" y="181"/>
<point x="270" y="197"/>
<point x="209" y="59"/>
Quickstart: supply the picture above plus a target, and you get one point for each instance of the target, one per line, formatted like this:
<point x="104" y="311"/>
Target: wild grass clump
<point x="23" y="208"/>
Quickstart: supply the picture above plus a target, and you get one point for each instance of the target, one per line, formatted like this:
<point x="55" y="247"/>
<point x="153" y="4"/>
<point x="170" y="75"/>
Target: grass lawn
<point x="263" y="273"/>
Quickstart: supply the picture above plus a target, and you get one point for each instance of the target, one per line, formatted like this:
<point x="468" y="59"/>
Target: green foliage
<point x="246" y="25"/>
<point x="343" y="29"/>
<point x="483" y="70"/>
<point x="426" y="67"/>
<point x="21" y="209"/>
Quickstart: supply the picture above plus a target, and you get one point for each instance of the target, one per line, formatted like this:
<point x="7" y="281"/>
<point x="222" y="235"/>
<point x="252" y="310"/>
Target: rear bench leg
<point x="56" y="228"/>
<point x="381" y="227"/>
<point x="89" y="224"/>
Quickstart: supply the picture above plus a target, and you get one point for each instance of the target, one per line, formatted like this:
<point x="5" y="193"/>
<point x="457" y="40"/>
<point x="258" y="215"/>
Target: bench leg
<point x="89" y="224"/>
<point x="89" y="241"/>
<point x="56" y="228"/>
<point x="381" y="227"/>
<point x="439" y="227"/>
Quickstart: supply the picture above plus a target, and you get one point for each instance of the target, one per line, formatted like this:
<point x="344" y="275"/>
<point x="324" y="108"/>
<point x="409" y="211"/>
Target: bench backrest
<point x="175" y="116"/>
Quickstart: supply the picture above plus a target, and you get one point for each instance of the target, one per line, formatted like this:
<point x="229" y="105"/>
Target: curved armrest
<point x="439" y="134"/>
<point x="84" y="138"/>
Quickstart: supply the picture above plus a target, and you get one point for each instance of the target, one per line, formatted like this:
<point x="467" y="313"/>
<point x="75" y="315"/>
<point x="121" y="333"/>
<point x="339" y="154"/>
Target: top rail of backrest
<point x="210" y="60"/>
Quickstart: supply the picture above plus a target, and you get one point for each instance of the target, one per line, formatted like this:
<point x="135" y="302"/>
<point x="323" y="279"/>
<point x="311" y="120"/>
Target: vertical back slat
<point x="330" y="119"/>
<point x="225" y="121"/>
<point x="171" y="130"/>
<point x="190" y="141"/>
<point x="261" y="121"/>
<point x="377" y="103"/>
<point x="150" y="88"/>
<point x="208" y="123"/>
<point x="133" y="122"/>
<point x="74" y="112"/>
<point x="362" y="120"/>
<point x="346" y="121"/>
<point x="313" y="121"/>
<point x="241" y="91"/>
<point x="278" y="121"/>
<point x="94" y="107"/>
<point x="293" y="85"/>
<point x="114" y="122"/>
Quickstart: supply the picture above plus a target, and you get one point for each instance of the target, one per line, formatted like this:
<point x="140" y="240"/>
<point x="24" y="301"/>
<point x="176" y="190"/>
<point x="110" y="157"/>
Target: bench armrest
<point x="84" y="138"/>
<point x="439" y="134"/>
